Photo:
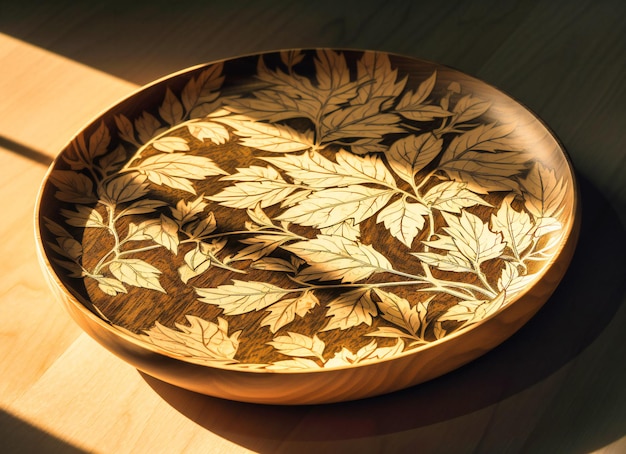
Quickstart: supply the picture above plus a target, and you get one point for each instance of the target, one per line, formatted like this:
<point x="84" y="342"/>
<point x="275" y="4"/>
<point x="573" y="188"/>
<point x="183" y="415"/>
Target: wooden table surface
<point x="557" y="386"/>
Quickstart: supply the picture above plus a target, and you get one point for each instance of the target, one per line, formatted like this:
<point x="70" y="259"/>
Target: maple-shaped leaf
<point x="163" y="231"/>
<point x="186" y="211"/>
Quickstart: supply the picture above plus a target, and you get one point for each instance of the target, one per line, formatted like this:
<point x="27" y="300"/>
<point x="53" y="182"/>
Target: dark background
<point x="558" y="385"/>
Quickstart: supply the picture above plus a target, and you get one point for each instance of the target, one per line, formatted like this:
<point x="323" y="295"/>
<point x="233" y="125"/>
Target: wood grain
<point x="557" y="386"/>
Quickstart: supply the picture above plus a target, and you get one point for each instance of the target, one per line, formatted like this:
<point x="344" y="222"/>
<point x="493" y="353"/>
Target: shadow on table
<point x="17" y="436"/>
<point x="578" y="312"/>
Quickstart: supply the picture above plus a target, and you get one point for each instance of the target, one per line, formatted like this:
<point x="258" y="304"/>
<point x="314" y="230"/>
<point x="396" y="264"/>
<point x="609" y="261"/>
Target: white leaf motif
<point x="84" y="216"/>
<point x="136" y="272"/>
<point x="351" y="309"/>
<point x="334" y="258"/>
<point x="256" y="186"/>
<point x="284" y="312"/>
<point x="399" y="311"/>
<point x="295" y="344"/>
<point x="335" y="205"/>
<point x="404" y="220"/>
<point x="175" y="169"/>
<point x="201" y="340"/>
<point x="410" y="154"/>
<point x="516" y="227"/>
<point x="212" y="131"/>
<point x="242" y="297"/>
<point x="171" y="144"/>
<point x="163" y="231"/>
<point x="125" y="188"/>
<point x="313" y="169"/>
<point x="452" y="196"/>
<point x="269" y="137"/>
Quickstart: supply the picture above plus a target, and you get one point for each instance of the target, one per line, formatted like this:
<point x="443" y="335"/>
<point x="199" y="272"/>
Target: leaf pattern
<point x="337" y="258"/>
<point x="338" y="152"/>
<point x="200" y="340"/>
<point x="242" y="296"/>
<point x="351" y="309"/>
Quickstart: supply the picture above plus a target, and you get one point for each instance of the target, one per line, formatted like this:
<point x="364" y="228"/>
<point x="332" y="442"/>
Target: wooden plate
<point x="307" y="226"/>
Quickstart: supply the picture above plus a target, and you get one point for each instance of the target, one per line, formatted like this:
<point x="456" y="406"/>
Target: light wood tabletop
<point x="556" y="386"/>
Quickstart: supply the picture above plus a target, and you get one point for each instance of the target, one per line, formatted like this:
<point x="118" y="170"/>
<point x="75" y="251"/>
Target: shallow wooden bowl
<point x="307" y="226"/>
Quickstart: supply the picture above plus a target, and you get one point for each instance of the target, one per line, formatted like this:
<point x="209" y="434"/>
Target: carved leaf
<point x="125" y="188"/>
<point x="175" y="169"/>
<point x="543" y="193"/>
<point x="314" y="170"/>
<point x="335" y="205"/>
<point x="72" y="186"/>
<point x="84" y="216"/>
<point x="399" y="311"/>
<point x="256" y="186"/>
<point x="337" y="258"/>
<point x="200" y="93"/>
<point x="269" y="137"/>
<point x="136" y="272"/>
<point x="171" y="110"/>
<point x="404" y="220"/>
<point x="212" y="131"/>
<point x="472" y="237"/>
<point x="295" y="344"/>
<point x="201" y="340"/>
<point x="452" y="196"/>
<point x="147" y="126"/>
<point x="410" y="154"/>
<point x="358" y="121"/>
<point x="515" y="227"/>
<point x="186" y="211"/>
<point x="284" y="312"/>
<point x="469" y="108"/>
<point x="110" y="286"/>
<point x="242" y="297"/>
<point x="351" y="309"/>
<point x="474" y="310"/>
<point x="169" y="144"/>
<point x="377" y="77"/>
<point x="163" y="231"/>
